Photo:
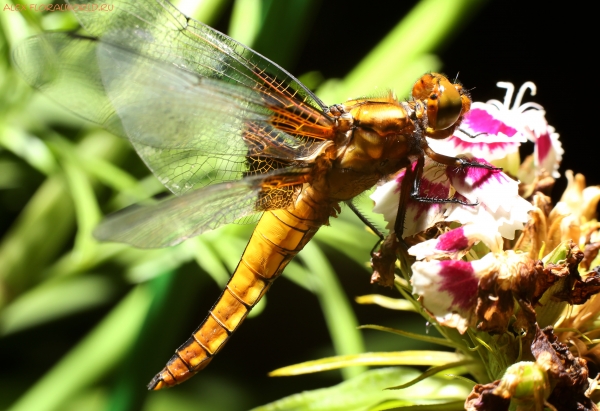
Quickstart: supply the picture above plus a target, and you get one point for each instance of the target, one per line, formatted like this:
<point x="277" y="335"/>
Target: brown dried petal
<point x="589" y="254"/>
<point x="496" y="296"/>
<point x="583" y="289"/>
<point x="577" y="290"/>
<point x="569" y="374"/>
<point x="525" y="281"/>
<point x="495" y="307"/>
<point x="483" y="397"/>
<point x="383" y="262"/>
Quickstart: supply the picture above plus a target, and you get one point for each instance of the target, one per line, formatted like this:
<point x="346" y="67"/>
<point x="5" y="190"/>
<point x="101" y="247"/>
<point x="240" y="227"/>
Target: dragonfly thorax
<point x="383" y="130"/>
<point x="381" y="135"/>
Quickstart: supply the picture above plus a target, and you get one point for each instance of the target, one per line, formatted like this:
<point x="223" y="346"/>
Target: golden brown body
<point x="278" y="237"/>
<point x="373" y="138"/>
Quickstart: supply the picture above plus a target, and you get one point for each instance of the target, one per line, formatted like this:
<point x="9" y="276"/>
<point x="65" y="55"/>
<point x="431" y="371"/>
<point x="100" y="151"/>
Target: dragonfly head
<point x="446" y="101"/>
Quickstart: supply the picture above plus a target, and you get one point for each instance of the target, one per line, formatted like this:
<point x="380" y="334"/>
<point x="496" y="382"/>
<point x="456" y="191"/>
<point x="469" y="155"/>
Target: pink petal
<point x="458" y="279"/>
<point x="481" y="121"/>
<point x="543" y="146"/>
<point x="453" y="241"/>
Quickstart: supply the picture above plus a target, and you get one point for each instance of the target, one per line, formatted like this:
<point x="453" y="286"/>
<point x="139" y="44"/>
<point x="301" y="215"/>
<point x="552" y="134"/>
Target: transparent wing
<point x="65" y="69"/>
<point x="224" y="128"/>
<point x="191" y="131"/>
<point x="156" y="29"/>
<point x="177" y="218"/>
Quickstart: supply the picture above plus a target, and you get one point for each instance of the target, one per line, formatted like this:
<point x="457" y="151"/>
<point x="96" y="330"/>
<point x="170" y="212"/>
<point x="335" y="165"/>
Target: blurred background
<point x="84" y="326"/>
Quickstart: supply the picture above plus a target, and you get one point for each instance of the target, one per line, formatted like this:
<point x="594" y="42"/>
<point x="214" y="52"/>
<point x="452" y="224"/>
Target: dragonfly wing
<point x="156" y="29"/>
<point x="191" y="131"/>
<point x="175" y="219"/>
<point x="66" y="71"/>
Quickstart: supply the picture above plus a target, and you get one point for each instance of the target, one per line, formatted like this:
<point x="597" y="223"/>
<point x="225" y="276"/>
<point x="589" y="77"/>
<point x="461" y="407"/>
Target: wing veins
<point x="189" y="28"/>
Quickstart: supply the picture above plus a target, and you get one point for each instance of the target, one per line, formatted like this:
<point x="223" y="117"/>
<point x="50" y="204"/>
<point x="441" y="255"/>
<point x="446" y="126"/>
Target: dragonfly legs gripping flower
<point x="411" y="184"/>
<point x="383" y="261"/>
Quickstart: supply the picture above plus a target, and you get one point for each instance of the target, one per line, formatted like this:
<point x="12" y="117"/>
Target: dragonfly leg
<point x="368" y="223"/>
<point x="455" y="161"/>
<point x="384" y="260"/>
<point x="410" y="182"/>
<point x="414" y="194"/>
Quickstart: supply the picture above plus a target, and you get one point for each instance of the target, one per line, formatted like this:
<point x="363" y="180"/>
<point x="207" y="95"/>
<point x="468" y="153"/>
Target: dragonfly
<point x="234" y="137"/>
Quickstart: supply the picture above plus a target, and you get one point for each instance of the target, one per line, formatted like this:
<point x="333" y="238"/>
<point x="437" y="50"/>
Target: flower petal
<point x="448" y="289"/>
<point x="455" y="243"/>
<point x="497" y="205"/>
<point x="500" y="206"/>
<point x="548" y="149"/>
<point x="484" y="132"/>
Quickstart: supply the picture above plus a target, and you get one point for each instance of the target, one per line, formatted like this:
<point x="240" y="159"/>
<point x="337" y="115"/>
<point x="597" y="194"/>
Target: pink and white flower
<point x="492" y="131"/>
<point x="495" y="130"/>
<point x="455" y="243"/>
<point x="495" y="202"/>
<point x="450" y="289"/>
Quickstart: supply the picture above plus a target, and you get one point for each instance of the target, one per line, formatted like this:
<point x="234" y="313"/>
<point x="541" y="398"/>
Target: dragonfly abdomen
<point x="277" y="238"/>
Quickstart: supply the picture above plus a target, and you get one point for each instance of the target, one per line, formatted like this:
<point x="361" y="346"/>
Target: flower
<point x="489" y="199"/>
<point x="495" y="130"/>
<point x="451" y="289"/>
<point x="490" y="133"/>
<point x="501" y="270"/>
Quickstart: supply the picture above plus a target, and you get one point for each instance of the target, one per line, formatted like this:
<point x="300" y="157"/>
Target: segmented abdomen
<point x="277" y="238"/>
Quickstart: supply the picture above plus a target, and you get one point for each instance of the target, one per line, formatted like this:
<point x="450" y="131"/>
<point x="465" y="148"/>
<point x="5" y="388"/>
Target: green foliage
<point x="368" y="392"/>
<point x="59" y="175"/>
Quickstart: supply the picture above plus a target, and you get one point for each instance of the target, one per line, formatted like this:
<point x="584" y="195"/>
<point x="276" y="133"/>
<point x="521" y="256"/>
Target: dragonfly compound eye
<point x="444" y="100"/>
